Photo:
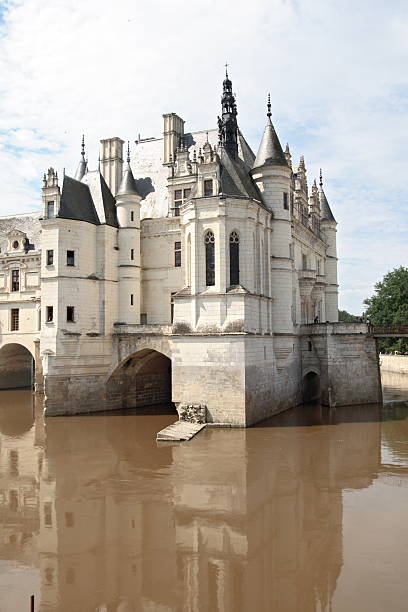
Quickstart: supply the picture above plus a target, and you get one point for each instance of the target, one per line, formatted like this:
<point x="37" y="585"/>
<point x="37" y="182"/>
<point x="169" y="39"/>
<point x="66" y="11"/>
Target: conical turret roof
<point x="128" y="184"/>
<point x="325" y="210"/>
<point x="270" y="152"/>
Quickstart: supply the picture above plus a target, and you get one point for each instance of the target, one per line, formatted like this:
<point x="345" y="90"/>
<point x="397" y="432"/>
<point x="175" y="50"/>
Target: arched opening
<point x="311" y="387"/>
<point x="16" y="367"/>
<point x="142" y="381"/>
<point x="234" y="258"/>
<point x="209" y="242"/>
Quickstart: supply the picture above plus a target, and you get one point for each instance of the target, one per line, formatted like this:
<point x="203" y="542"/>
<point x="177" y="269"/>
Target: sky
<point x="336" y="71"/>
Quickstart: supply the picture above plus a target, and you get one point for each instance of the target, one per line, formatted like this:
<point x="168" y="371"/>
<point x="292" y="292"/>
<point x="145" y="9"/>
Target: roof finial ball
<point x="269" y="113"/>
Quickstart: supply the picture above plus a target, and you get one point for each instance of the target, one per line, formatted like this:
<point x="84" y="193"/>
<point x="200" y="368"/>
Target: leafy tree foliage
<point x="389" y="305"/>
<point x="346" y="317"/>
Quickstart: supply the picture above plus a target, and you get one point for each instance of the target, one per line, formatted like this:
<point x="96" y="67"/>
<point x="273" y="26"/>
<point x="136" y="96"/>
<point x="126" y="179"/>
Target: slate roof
<point x="235" y="178"/>
<point x="76" y="202"/>
<point x="102" y="197"/>
<point x="270" y="151"/>
<point x="325" y="210"/>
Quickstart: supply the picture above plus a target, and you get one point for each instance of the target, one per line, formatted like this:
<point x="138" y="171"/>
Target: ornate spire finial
<point x="226" y="70"/>
<point x="321" y="178"/>
<point x="128" y="154"/>
<point x="83" y="146"/>
<point x="269" y="114"/>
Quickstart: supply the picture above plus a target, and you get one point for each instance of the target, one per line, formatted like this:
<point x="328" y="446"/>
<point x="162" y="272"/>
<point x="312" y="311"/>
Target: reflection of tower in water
<point x="237" y="520"/>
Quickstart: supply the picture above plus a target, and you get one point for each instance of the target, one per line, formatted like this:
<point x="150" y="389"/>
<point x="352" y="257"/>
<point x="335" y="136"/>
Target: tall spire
<point x="270" y="151"/>
<point x="83" y="164"/>
<point x="227" y="123"/>
<point x="128" y="183"/>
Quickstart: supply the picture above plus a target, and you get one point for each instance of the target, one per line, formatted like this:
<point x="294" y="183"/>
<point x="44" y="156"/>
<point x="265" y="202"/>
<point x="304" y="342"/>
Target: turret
<point x="272" y="175"/>
<point x="83" y="164"/>
<point x="328" y="226"/>
<point x="227" y="123"/>
<point x="128" y="211"/>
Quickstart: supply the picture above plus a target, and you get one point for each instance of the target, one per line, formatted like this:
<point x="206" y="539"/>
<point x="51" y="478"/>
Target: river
<point x="305" y="512"/>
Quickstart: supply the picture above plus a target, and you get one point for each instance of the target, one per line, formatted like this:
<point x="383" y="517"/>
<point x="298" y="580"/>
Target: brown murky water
<point x="308" y="512"/>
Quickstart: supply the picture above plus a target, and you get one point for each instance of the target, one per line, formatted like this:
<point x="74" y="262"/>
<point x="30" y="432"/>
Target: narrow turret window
<point x="132" y="254"/>
<point x="177" y="254"/>
<point x="234" y="258"/>
<point x="15" y="319"/>
<point x="50" y="314"/>
<point x="131" y="299"/>
<point x="50" y="257"/>
<point x="132" y="216"/>
<point x="209" y="242"/>
<point x="285" y="201"/>
<point x="70" y="258"/>
<point x="70" y="314"/>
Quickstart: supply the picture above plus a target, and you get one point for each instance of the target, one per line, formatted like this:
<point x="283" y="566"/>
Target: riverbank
<point x="394" y="363"/>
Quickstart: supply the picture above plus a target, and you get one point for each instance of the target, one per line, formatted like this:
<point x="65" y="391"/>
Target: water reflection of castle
<point x="238" y="520"/>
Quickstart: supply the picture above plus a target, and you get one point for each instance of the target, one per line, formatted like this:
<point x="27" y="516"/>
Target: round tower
<point x="128" y="212"/>
<point x="328" y="225"/>
<point x="272" y="174"/>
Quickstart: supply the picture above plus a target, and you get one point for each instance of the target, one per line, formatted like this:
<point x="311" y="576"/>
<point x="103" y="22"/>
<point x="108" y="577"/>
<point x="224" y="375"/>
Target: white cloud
<point x="336" y="72"/>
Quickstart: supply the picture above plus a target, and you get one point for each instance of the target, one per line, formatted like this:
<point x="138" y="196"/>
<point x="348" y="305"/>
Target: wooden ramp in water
<point x="180" y="431"/>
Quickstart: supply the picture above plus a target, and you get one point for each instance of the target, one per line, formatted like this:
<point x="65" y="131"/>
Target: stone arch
<point x="311" y="386"/>
<point x="141" y="381"/>
<point x="17" y="366"/>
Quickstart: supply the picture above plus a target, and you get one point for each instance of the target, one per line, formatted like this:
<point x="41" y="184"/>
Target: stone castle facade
<point x="193" y="271"/>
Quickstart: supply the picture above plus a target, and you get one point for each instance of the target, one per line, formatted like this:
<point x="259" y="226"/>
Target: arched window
<point x="234" y="258"/>
<point x="209" y="242"/>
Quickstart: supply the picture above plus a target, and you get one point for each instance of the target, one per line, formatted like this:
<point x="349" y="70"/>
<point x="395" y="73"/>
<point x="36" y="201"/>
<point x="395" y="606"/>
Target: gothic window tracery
<point x="209" y="242"/>
<point x="234" y="258"/>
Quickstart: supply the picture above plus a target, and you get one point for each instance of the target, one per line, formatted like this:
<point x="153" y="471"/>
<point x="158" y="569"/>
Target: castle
<point x="194" y="271"/>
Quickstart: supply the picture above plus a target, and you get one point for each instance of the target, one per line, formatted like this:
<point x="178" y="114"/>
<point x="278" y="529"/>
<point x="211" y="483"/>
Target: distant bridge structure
<point x="389" y="331"/>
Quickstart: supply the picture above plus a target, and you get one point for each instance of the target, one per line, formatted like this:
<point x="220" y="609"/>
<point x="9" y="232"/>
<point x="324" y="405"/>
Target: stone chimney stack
<point x="111" y="162"/>
<point x="173" y="131"/>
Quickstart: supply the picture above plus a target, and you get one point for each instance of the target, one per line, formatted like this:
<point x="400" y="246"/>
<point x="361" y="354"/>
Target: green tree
<point x="389" y="306"/>
<point x="346" y="317"/>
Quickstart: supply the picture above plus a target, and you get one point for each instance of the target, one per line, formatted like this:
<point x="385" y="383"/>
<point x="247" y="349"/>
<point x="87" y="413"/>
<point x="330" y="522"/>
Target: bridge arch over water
<point x="17" y="366"/>
<point x="311" y="386"/>
<point x="143" y="381"/>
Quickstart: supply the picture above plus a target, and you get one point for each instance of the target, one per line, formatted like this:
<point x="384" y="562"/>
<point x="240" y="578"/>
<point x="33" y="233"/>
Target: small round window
<point x="15" y="244"/>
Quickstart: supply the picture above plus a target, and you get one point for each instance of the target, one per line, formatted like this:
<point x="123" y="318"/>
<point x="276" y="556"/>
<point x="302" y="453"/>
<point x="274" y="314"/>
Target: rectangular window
<point x="208" y="187"/>
<point x="50" y="257"/>
<point x="70" y="314"/>
<point x="132" y="216"/>
<point x="15" y="319"/>
<point x="186" y="193"/>
<point x="15" y="280"/>
<point x="285" y="201"/>
<point x="131" y="299"/>
<point x="143" y="318"/>
<point x="178" y="200"/>
<point x="177" y="254"/>
<point x="132" y="254"/>
<point x="48" y="514"/>
<point x="318" y="267"/>
<point x="50" y="210"/>
<point x="50" y="314"/>
<point x="70" y="258"/>
<point x="304" y="262"/>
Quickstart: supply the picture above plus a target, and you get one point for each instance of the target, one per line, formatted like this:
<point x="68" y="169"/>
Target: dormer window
<point x="16" y="244"/>
<point x="208" y="187"/>
<point x="15" y="280"/>
<point x="180" y="196"/>
<point x="50" y="210"/>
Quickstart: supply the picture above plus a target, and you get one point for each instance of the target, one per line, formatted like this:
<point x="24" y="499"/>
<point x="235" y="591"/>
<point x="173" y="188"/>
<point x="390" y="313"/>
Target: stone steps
<point x="180" y="431"/>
